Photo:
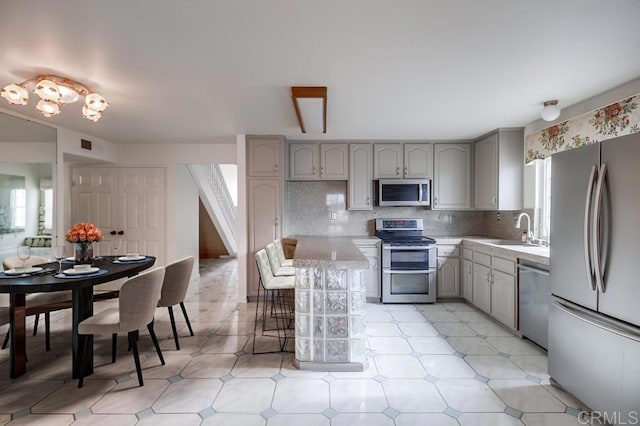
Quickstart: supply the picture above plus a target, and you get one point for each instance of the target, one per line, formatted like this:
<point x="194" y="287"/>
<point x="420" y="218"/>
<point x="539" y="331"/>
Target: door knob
<point x="120" y="232"/>
<point x="113" y="232"/>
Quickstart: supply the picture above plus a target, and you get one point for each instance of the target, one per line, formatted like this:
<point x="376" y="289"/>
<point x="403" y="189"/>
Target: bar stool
<point x="278" y="291"/>
<point x="277" y="268"/>
<point x="280" y="251"/>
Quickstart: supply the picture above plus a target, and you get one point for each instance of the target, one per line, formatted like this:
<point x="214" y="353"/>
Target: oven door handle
<point x="386" y="247"/>
<point x="412" y="272"/>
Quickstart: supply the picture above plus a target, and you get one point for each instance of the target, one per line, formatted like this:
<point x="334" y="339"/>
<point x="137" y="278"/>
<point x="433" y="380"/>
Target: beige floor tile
<point x="128" y="397"/>
<point x="382" y="329"/>
<point x="472" y="345"/>
<point x="554" y="419"/>
<point x="453" y="329"/>
<point x="361" y="419"/>
<point x="526" y="396"/>
<point x="301" y="396"/>
<point x="400" y="367"/>
<point x="413" y="396"/>
<point x="489" y="328"/>
<point x="70" y="399"/>
<point x="222" y="419"/>
<point x="245" y="396"/>
<point x="565" y="397"/>
<point x="430" y="345"/>
<point x="370" y="372"/>
<point x="209" y="366"/>
<point x="534" y="365"/>
<point x="26" y="393"/>
<point x="513" y="345"/>
<point x="400" y="307"/>
<point x="495" y="367"/>
<point x="289" y="370"/>
<point x="299" y="419"/>
<point x="407" y="316"/>
<point x="174" y="364"/>
<point x="357" y="396"/>
<point x="265" y="365"/>
<point x="468" y="395"/>
<point x="378" y="316"/>
<point x="171" y="420"/>
<point x="188" y="396"/>
<point x="224" y="344"/>
<point x="472" y="316"/>
<point x="107" y="420"/>
<point x="188" y="344"/>
<point x="447" y="367"/>
<point x="488" y="419"/>
<point x="421" y="328"/>
<point x="43" y="420"/>
<point x="236" y="328"/>
<point x="441" y="316"/>
<point x="459" y="307"/>
<point x="389" y="345"/>
<point x="423" y="419"/>
<point x="5" y="418"/>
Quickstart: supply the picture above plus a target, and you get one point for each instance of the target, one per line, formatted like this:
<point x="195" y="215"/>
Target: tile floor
<point x="440" y="364"/>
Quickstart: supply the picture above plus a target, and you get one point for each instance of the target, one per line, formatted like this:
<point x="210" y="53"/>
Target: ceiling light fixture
<point x="54" y="93"/>
<point x="310" y="104"/>
<point x="551" y="110"/>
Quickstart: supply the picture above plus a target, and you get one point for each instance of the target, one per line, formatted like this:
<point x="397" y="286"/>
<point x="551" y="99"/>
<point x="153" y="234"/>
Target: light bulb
<point x="15" y="94"/>
<point x="47" y="90"/>
<point x="48" y="108"/>
<point x="96" y="102"/>
<point x="67" y="94"/>
<point x="91" y="114"/>
<point x="551" y="111"/>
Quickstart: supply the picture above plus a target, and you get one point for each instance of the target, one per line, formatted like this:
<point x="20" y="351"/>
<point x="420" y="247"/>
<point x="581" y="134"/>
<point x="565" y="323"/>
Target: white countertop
<point x="329" y="252"/>
<point x="500" y="247"/>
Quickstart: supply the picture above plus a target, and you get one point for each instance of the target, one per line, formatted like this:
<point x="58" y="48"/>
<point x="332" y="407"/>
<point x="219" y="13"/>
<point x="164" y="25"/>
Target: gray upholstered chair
<point x="139" y="296"/>
<point x="4" y="319"/>
<point x="278" y="292"/>
<point x="174" y="289"/>
<point x="280" y="251"/>
<point x="45" y="302"/>
<point x="277" y="269"/>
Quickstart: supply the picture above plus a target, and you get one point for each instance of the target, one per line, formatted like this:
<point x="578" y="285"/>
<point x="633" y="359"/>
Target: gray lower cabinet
<point x="448" y="263"/>
<point x="371" y="250"/>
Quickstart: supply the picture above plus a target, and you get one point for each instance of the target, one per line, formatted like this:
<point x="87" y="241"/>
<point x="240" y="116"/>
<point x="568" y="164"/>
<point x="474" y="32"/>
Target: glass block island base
<point x="330" y="301"/>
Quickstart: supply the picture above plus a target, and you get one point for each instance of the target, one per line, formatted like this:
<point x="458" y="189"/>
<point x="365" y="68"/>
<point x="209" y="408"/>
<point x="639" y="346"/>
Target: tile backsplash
<point x="309" y="205"/>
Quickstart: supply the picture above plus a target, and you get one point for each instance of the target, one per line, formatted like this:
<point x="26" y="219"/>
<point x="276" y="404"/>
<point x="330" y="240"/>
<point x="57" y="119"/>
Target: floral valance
<point x="618" y="119"/>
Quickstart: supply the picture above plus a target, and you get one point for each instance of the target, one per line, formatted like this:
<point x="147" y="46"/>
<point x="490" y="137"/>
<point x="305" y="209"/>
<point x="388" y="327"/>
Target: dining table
<point x="49" y="279"/>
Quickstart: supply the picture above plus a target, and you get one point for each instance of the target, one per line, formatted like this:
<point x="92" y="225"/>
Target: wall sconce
<point x="54" y="93"/>
<point x="551" y="110"/>
<point x="310" y="104"/>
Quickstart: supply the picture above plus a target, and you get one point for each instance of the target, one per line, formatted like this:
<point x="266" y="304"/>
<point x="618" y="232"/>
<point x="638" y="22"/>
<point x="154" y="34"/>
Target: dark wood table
<point x="82" y="306"/>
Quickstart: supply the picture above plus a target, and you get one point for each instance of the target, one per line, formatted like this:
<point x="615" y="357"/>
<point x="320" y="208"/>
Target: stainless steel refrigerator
<point x="594" y="312"/>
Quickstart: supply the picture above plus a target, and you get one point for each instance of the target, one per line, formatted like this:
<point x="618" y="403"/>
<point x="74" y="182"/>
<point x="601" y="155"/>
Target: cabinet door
<point x="303" y="161"/>
<point x="418" y="158"/>
<point x="452" y="176"/>
<point x="486" y="173"/>
<point x="264" y="200"/>
<point x="360" y="177"/>
<point x="503" y="298"/>
<point x="334" y="161"/>
<point x="263" y="156"/>
<point x="482" y="287"/>
<point x="373" y="278"/>
<point x="387" y="161"/>
<point x="467" y="280"/>
<point x="448" y="276"/>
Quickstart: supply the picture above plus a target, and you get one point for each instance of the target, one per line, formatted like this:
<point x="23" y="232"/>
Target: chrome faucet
<point x="518" y="224"/>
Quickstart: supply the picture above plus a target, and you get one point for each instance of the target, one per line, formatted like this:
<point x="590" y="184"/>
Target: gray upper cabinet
<point x="313" y="161"/>
<point x="397" y="160"/>
<point x="451" y="176"/>
<point x="360" y="197"/>
<point x="264" y="156"/>
<point x="499" y="168"/>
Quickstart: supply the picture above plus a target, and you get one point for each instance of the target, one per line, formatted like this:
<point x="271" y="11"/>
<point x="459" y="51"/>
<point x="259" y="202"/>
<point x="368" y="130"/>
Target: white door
<point x="303" y="160"/>
<point x="334" y="161"/>
<point x="126" y="204"/>
<point x="418" y="159"/>
<point x="264" y="222"/>
<point x="387" y="161"/>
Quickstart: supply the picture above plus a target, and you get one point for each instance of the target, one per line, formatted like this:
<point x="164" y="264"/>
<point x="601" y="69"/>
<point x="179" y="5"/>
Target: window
<point x="17" y="201"/>
<point x="48" y="209"/>
<point x="542" y="199"/>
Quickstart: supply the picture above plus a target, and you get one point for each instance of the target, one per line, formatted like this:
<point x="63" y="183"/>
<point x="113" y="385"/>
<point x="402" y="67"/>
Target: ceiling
<point x="202" y="71"/>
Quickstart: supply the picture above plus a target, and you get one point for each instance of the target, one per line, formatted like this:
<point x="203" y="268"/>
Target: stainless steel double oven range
<point x="408" y="262"/>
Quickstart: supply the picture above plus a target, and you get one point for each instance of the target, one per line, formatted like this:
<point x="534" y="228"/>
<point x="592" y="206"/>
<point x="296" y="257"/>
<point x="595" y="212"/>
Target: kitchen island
<point x="330" y="301"/>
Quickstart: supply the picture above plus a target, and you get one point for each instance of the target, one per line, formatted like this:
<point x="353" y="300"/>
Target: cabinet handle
<point x="120" y="232"/>
<point x="321" y="170"/>
<point x="435" y="201"/>
<point x="493" y="200"/>
<point x="313" y="170"/>
<point x="398" y="171"/>
<point x="276" y="167"/>
<point x="113" y="232"/>
<point x="275" y="221"/>
<point x="406" y="170"/>
<point x="367" y="200"/>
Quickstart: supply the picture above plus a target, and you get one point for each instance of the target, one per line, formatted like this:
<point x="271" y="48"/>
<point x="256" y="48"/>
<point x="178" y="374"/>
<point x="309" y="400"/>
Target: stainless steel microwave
<point x="404" y="192"/>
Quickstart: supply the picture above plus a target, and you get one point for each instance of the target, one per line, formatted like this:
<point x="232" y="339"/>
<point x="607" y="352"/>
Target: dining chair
<point x="38" y="303"/>
<point x="278" y="293"/>
<point x="139" y="296"/>
<point x="174" y="289"/>
<point x="277" y="268"/>
<point x="4" y="319"/>
<point x="280" y="251"/>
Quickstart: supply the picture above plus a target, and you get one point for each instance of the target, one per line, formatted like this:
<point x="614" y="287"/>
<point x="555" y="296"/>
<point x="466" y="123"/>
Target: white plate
<point x="75" y="272"/>
<point x="130" y="259"/>
<point x="23" y="271"/>
<point x="69" y="259"/>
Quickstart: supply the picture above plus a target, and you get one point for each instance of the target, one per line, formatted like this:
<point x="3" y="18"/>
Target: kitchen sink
<point x="512" y="243"/>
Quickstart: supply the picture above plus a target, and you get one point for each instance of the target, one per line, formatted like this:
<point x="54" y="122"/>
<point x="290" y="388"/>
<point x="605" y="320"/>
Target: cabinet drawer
<point x="504" y="265"/>
<point x="369" y="251"/>
<point x="482" y="258"/>
<point x="467" y="254"/>
<point x="446" y="251"/>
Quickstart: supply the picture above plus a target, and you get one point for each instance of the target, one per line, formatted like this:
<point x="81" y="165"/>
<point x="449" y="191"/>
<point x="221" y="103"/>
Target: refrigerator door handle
<point x="595" y="247"/>
<point x="587" y="228"/>
<point x="598" y="321"/>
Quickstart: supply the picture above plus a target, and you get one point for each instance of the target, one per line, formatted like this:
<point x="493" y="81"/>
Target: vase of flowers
<point x="83" y="235"/>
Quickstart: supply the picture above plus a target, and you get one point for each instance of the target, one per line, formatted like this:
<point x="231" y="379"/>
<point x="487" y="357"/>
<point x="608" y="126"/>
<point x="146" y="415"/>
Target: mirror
<point x="13" y="202"/>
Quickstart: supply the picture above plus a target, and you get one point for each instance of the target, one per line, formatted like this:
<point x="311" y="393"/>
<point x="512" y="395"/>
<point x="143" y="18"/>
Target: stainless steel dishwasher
<point x="533" y="305"/>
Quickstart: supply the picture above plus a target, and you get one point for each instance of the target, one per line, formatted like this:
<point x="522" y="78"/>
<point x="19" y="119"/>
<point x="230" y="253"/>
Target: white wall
<point x="241" y="219"/>
<point x="182" y="215"/>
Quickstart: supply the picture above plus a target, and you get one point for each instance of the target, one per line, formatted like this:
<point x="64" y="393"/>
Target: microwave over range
<point x="404" y="192"/>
